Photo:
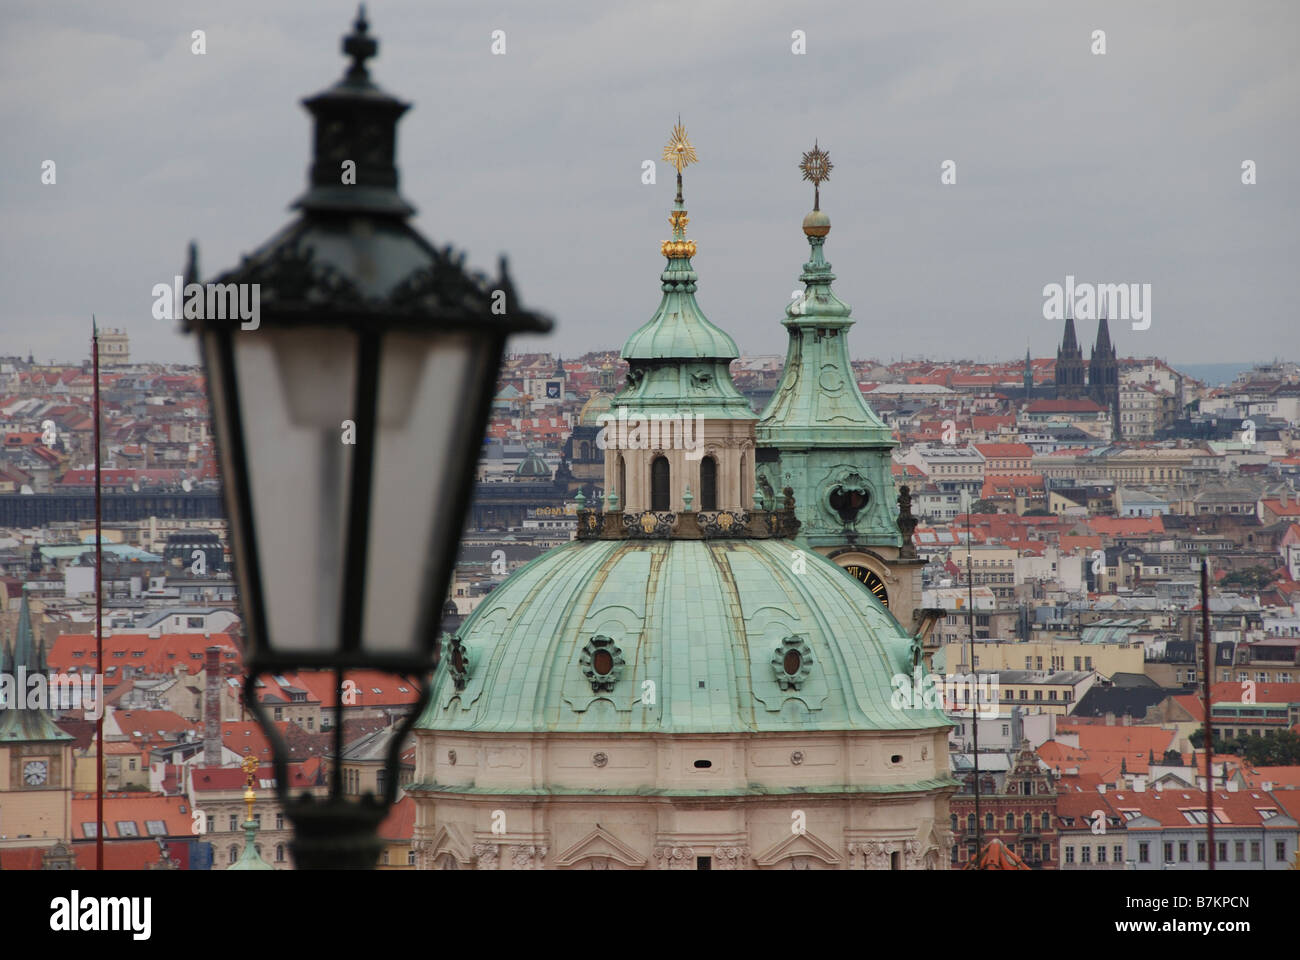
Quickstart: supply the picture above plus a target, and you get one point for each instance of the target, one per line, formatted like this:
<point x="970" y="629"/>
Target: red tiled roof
<point x="119" y="855"/>
<point x="154" y="724"/>
<point x="209" y="779"/>
<point x="160" y="654"/>
<point x="134" y="808"/>
<point x="1005" y="450"/>
<point x="1232" y="691"/>
<point x="400" y="822"/>
<point x="1171" y="807"/>
<point x="1125" y="526"/>
<point x="391" y="690"/>
<point x="1063" y="405"/>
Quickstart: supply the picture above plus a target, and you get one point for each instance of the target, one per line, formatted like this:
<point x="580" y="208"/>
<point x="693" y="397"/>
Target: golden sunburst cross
<point x="679" y="151"/>
<point x="816" y="166"/>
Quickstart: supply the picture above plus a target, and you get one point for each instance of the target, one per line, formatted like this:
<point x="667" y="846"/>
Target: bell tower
<point x="35" y="755"/>
<point x="819" y="436"/>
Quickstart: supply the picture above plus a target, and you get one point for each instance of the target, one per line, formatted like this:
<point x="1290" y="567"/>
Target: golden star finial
<point x="679" y="151"/>
<point x="816" y="166"/>
<point x="249" y="766"/>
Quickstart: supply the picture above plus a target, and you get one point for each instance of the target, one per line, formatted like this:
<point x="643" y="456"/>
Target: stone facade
<point x="645" y="803"/>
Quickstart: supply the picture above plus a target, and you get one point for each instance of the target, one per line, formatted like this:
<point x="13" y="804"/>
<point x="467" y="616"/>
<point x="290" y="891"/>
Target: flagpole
<point x="1209" y="729"/>
<point x="99" y="608"/>
<point x="974" y="719"/>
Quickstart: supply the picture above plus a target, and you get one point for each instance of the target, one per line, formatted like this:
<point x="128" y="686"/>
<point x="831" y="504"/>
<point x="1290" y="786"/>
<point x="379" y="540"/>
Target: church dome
<point x="533" y="467"/>
<point x="676" y="636"/>
<point x="597" y="404"/>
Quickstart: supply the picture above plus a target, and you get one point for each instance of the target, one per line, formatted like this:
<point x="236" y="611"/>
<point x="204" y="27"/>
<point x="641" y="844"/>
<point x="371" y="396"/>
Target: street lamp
<point x="349" y="406"/>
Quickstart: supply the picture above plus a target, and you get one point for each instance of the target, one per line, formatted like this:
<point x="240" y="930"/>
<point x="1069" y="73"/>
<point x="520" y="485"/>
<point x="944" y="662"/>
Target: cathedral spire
<point x="818" y="396"/>
<point x="829" y="445"/>
<point x="20" y="721"/>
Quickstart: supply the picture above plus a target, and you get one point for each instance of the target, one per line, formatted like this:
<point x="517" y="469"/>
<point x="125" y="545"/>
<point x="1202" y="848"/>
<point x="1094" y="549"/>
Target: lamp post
<point x="348" y="407"/>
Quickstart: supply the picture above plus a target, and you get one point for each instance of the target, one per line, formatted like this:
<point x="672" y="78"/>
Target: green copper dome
<point x="533" y="466"/>
<point x="675" y="636"/>
<point x="679" y="362"/>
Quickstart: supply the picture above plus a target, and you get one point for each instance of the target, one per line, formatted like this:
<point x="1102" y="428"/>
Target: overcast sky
<point x="1117" y="168"/>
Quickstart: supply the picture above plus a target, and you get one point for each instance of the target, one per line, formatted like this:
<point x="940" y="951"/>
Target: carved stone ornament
<point x="730" y="858"/>
<point x="423" y="849"/>
<point x="599" y="759"/>
<point x="675" y="858"/>
<point x="526" y="857"/>
<point x="874" y="854"/>
<point x="911" y="854"/>
<point x="602" y="663"/>
<point x="486" y="856"/>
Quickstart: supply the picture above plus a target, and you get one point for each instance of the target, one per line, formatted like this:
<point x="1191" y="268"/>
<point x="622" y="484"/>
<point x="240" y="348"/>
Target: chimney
<point x="1268" y="786"/>
<point x="1139" y="784"/>
<point x="212" y="707"/>
<point x="1101" y="788"/>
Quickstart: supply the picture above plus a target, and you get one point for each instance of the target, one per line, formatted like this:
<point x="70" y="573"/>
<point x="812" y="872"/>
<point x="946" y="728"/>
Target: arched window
<point x="988" y="821"/>
<point x="379" y="781"/>
<point x="234" y="853"/>
<point x="708" y="484"/>
<point x="659" y="484"/>
<point x="279" y="853"/>
<point x="1011" y="821"/>
<point x="746" y="481"/>
<point x="621" y="489"/>
<point x="1029" y="822"/>
<point x="970" y="823"/>
<point x="1047" y="821"/>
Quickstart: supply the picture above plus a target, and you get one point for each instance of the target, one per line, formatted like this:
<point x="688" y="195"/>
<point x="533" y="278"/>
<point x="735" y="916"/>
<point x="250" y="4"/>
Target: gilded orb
<point x="816" y="224"/>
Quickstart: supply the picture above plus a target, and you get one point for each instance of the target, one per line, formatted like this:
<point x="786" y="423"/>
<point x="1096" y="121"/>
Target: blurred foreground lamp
<point x="349" y="401"/>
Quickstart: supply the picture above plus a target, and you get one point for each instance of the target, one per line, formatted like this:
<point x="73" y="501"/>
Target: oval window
<point x="793" y="661"/>
<point x="602" y="662"/>
<point x="458" y="660"/>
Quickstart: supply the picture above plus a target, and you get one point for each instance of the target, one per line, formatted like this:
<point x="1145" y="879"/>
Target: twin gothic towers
<point x="1102" y="386"/>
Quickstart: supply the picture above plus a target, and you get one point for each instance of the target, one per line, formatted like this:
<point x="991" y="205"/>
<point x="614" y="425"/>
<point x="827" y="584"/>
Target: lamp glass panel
<point x="296" y="387"/>
<point x="428" y="390"/>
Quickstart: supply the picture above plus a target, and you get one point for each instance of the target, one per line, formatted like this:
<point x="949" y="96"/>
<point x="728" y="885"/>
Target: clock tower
<point x="819" y="436"/>
<point x="35" y="755"/>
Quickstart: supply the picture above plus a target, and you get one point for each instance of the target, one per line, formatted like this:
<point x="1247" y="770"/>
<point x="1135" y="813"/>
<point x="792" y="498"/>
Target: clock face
<point x="870" y="580"/>
<point x="35" y="772"/>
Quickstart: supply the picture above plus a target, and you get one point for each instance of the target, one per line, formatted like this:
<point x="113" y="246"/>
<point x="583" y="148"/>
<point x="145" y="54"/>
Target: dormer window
<point x="602" y="663"/>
